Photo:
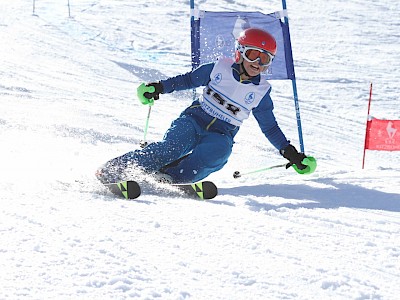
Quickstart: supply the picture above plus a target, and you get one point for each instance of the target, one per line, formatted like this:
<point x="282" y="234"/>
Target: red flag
<point x="383" y="135"/>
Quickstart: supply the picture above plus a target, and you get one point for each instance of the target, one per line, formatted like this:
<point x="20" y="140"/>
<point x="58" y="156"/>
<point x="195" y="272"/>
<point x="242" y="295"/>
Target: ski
<point x="204" y="190"/>
<point x="125" y="189"/>
<point x="130" y="189"/>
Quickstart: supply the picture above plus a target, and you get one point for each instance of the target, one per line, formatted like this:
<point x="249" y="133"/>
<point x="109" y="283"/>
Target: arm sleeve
<point x="267" y="122"/>
<point x="197" y="77"/>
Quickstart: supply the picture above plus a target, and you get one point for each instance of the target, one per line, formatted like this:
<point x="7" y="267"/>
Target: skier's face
<point x="253" y="68"/>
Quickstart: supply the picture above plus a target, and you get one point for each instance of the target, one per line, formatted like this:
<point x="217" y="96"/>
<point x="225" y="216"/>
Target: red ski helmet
<point x="254" y="37"/>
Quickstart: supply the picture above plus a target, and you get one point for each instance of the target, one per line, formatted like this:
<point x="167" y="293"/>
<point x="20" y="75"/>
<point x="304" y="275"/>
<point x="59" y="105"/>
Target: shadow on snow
<point x="145" y="74"/>
<point x="339" y="195"/>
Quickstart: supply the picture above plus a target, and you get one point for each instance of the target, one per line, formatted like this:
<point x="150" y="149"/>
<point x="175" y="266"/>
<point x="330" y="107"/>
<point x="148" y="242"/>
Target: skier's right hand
<point x="147" y="93"/>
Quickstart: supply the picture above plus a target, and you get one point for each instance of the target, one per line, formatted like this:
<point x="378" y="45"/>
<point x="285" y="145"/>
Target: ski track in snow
<point x="67" y="104"/>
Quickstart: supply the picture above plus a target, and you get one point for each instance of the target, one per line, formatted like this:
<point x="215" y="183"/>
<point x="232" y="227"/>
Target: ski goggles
<point x="263" y="57"/>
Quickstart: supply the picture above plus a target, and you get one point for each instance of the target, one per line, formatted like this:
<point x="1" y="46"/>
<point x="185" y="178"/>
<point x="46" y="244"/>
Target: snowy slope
<point x="67" y="104"/>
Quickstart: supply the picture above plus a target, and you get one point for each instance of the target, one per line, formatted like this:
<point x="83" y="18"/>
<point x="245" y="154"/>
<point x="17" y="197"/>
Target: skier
<point x="199" y="142"/>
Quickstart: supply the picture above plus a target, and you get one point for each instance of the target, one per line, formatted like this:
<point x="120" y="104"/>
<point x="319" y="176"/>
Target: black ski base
<point x="204" y="190"/>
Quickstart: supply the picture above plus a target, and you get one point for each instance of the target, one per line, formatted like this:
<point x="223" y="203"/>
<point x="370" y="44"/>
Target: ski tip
<point x="205" y="190"/>
<point x="211" y="188"/>
<point x="127" y="189"/>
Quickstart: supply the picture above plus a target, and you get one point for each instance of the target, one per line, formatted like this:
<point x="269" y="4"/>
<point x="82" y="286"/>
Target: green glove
<point x="311" y="164"/>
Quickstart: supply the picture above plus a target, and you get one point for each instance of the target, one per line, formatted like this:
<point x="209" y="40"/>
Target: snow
<point x="68" y="104"/>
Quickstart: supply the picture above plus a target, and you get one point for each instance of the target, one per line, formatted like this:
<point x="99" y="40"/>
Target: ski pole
<point x="237" y="174"/>
<point x="144" y="143"/>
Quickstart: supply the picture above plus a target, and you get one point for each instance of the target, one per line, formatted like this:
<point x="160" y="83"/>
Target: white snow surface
<point x="68" y="104"/>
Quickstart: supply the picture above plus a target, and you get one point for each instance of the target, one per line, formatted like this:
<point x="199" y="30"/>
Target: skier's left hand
<point x="301" y="163"/>
<point x="147" y="93"/>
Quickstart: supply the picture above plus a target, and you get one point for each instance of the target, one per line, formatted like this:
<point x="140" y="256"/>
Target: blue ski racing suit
<point x="199" y="142"/>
